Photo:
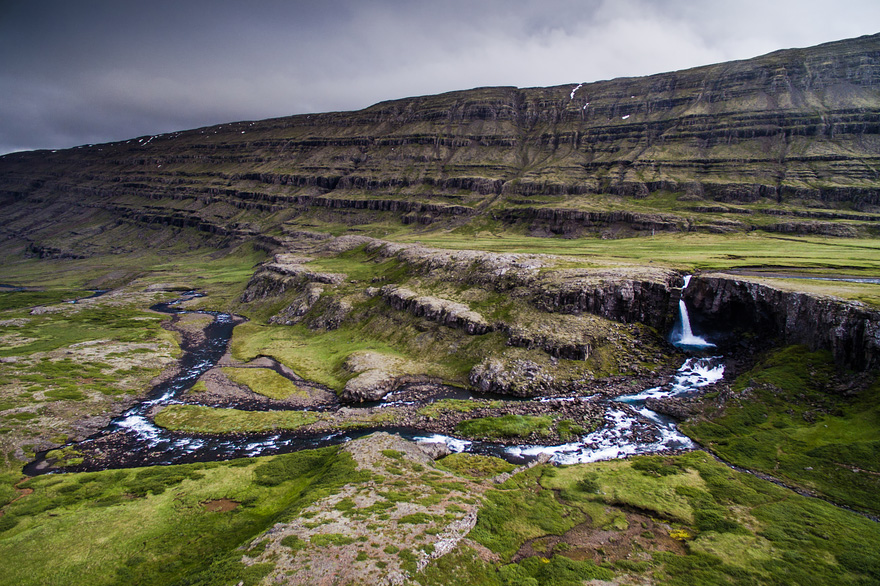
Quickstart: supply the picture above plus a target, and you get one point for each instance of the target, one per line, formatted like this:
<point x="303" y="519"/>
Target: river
<point x="132" y="439"/>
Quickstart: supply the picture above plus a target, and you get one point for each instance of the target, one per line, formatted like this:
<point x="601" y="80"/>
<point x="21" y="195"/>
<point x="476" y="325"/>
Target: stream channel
<point x="132" y="439"/>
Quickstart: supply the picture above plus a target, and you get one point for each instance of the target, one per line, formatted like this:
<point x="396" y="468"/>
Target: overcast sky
<point x="80" y="71"/>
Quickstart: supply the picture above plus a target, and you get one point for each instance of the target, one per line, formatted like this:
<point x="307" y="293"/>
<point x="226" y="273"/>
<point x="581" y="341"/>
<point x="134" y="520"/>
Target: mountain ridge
<point x="781" y="134"/>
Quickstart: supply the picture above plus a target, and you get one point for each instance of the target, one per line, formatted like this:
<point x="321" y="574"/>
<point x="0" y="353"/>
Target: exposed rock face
<point x="851" y="331"/>
<point x="294" y="312"/>
<point x="625" y="295"/>
<point x="573" y="223"/>
<point x="792" y="126"/>
<point x="614" y="296"/>
<point x="370" y="385"/>
<point x="553" y="344"/>
<point x="443" y="311"/>
<point x="274" y="279"/>
<point x="520" y="378"/>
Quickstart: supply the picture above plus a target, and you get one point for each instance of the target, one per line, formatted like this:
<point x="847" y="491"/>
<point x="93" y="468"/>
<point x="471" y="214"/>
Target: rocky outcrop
<point x="377" y="375"/>
<point x="300" y="272"/>
<point x="849" y="330"/>
<point x="286" y="273"/>
<point x="370" y="385"/>
<point x="551" y="343"/>
<point x="444" y="311"/>
<point x="300" y="306"/>
<point x="644" y="295"/>
<point x="499" y="270"/>
<point x="520" y="378"/>
<point x="331" y="314"/>
<point x="615" y="296"/>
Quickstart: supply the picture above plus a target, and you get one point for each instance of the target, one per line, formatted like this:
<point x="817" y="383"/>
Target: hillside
<point x="622" y="332"/>
<point x="788" y="142"/>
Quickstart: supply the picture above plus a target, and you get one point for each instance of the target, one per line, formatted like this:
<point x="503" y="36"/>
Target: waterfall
<point x="687" y="337"/>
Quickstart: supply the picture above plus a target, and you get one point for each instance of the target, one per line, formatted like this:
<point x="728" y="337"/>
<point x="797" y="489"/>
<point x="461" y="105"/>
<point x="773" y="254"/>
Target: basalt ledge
<point x="849" y="330"/>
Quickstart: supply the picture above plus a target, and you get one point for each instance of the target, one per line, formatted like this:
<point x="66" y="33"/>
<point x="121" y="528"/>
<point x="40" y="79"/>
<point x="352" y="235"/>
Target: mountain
<point x="787" y="142"/>
<point x="179" y="311"/>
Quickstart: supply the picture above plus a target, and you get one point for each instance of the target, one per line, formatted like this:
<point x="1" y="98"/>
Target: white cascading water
<point x="617" y="439"/>
<point x="627" y="416"/>
<point x="629" y="427"/>
<point x="687" y="337"/>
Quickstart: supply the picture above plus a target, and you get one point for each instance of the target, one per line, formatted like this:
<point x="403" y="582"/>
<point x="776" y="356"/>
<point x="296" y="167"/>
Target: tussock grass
<point x="519" y="512"/>
<point x="437" y="408"/>
<point x="475" y="465"/>
<point x="619" y="482"/>
<point x="738" y="528"/>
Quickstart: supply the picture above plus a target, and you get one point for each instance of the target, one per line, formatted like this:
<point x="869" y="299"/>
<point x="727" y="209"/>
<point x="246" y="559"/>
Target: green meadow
<point x="792" y="416"/>
<point x="158" y="525"/>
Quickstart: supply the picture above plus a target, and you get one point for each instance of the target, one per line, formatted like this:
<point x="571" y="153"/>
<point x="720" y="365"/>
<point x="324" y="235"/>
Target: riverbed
<point x="626" y="426"/>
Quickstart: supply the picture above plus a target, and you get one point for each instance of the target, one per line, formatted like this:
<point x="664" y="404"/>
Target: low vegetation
<point x="152" y="525"/>
<point x="795" y="417"/>
<point x="475" y="465"/>
<point x="685" y="519"/>
<point x="264" y="382"/>
<point x="438" y="408"/>
<point x="67" y="363"/>
<point x="201" y="419"/>
<point x="680" y="520"/>
<point x="506" y="426"/>
<point x="684" y="251"/>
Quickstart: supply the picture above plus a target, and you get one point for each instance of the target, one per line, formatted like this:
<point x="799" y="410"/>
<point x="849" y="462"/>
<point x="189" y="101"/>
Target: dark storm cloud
<point x="92" y="71"/>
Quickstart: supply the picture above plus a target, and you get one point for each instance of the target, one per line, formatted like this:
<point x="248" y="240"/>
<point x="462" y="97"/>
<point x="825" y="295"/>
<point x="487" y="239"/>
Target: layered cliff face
<point x="779" y="134"/>
<point x="511" y="323"/>
<point x="850" y="331"/>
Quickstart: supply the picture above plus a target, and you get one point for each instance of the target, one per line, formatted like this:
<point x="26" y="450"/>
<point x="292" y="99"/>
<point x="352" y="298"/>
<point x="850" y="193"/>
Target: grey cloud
<point x="91" y="71"/>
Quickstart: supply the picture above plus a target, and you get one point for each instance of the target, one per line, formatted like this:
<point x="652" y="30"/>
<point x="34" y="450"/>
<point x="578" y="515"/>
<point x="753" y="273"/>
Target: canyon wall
<point x="849" y="330"/>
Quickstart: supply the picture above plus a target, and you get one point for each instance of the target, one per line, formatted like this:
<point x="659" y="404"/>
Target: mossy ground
<point x="703" y="523"/>
<point x="795" y="417"/>
<point x="202" y="419"/>
<point x="507" y="426"/>
<point x="264" y="382"/>
<point x="152" y="526"/>
<point x="729" y="527"/>
<point x="66" y="368"/>
<point x="475" y="465"/>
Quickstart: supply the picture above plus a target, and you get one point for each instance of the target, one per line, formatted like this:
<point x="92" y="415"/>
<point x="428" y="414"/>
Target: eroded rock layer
<point x="777" y="134"/>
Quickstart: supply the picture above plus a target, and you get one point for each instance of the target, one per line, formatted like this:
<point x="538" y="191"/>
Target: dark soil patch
<point x="22" y="492"/>
<point x="586" y="542"/>
<point x="220" y="505"/>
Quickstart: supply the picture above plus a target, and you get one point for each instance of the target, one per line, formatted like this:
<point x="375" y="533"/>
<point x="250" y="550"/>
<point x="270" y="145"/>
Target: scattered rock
<point x="435" y="450"/>
<point x="377" y="375"/>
